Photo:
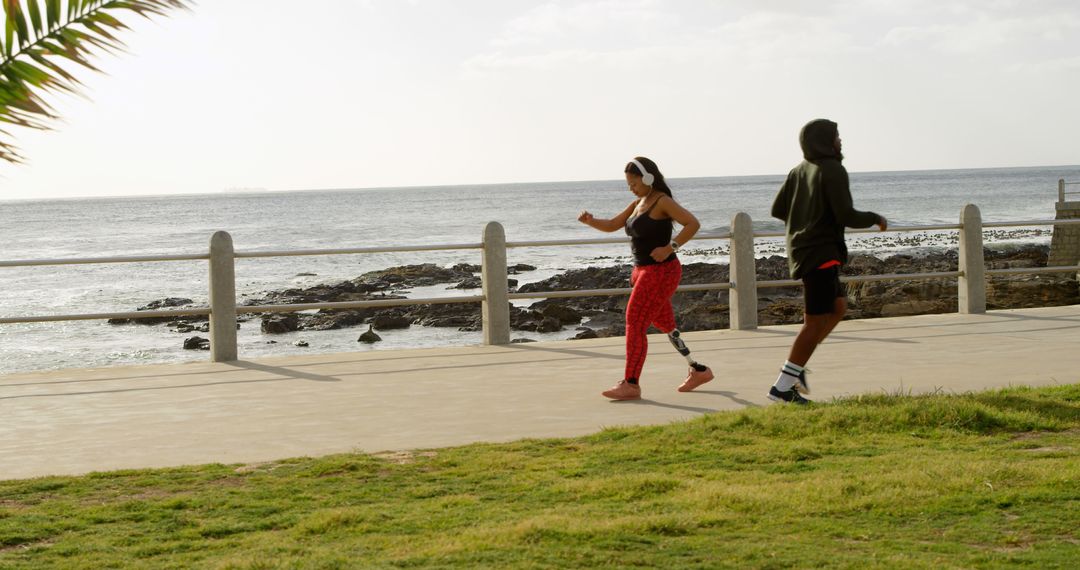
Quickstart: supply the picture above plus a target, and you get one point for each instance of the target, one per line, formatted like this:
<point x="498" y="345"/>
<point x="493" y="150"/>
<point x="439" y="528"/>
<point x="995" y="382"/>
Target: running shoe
<point x="695" y="379"/>
<point x="789" y="396"/>
<point x="623" y="391"/>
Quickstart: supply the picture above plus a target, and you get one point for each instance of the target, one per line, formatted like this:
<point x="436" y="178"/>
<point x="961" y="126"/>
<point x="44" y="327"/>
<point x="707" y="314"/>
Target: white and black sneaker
<point x="788" y="396"/>
<point x="801" y="385"/>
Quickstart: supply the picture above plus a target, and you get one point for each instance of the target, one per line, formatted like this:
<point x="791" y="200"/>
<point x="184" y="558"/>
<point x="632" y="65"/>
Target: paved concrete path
<point x="76" y="421"/>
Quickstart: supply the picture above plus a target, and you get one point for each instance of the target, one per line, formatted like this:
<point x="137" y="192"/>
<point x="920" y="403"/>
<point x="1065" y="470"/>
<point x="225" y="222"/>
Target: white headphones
<point x="646" y="177"/>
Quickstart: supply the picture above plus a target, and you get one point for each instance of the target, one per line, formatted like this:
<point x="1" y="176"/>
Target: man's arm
<point x="838" y="189"/>
<point x="782" y="204"/>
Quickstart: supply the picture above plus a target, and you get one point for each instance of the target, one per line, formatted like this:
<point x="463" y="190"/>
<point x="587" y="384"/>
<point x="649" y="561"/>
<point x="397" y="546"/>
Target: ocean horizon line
<point x="258" y="190"/>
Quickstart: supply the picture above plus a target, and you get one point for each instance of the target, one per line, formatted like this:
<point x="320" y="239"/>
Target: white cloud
<point x="585" y="23"/>
<point x="780" y="36"/>
<point x="555" y="37"/>
<point x="1048" y="67"/>
<point x="987" y="32"/>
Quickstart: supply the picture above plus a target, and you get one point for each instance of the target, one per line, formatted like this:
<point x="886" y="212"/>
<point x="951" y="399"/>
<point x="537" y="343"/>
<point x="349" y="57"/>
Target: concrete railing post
<point x="742" y="297"/>
<point x="495" y="309"/>
<point x="1065" y="241"/>
<point x="222" y="298"/>
<point x="971" y="286"/>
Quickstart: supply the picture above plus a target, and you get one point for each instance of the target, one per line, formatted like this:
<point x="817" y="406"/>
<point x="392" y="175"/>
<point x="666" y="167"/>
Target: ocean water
<point x="54" y="229"/>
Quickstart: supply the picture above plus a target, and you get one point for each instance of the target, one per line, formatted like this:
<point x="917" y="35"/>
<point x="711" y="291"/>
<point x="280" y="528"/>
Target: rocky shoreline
<point x="592" y="317"/>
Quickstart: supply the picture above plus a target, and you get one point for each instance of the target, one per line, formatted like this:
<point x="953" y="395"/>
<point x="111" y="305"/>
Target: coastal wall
<point x="1065" y="245"/>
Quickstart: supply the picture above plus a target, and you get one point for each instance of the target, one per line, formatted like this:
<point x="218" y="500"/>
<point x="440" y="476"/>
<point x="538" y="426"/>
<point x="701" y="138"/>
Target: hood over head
<point x="816" y="139"/>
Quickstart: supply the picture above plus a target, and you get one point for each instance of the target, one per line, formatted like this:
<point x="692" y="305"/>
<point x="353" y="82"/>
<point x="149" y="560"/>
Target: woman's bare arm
<point x="690" y="226"/>
<point x="614" y="224"/>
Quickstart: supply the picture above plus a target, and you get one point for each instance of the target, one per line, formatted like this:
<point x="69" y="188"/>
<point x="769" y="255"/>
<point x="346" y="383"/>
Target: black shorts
<point x="821" y="289"/>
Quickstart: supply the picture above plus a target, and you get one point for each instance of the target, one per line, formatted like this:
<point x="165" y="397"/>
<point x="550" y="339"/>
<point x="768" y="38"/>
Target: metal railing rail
<point x="1031" y="223"/>
<point x="495" y="298"/>
<point x="194" y="312"/>
<point x="357" y="250"/>
<point x="928" y="227"/>
<point x="92" y="260"/>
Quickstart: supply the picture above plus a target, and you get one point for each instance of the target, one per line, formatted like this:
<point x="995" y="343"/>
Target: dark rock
<point x="531" y="320"/>
<point x="157" y="306"/>
<point x="576" y="279"/>
<point x="197" y="343"/>
<point x="165" y="303"/>
<point x="613" y="330"/>
<point x="419" y="275"/>
<point x="278" y="323"/>
<point x="370" y="336"/>
<point x="703" y="315"/>
<point x="565" y="315"/>
<point x="605" y="319"/>
<point x="771" y="268"/>
<point x="521" y="340"/>
<point x="1024" y="291"/>
<point x="477" y="283"/>
<point x="548" y="324"/>
<point x="301" y="343"/>
<point x="332" y="319"/>
<point x="445" y="315"/>
<point x="518" y="268"/>
<point x="468" y="283"/>
<point x="587" y="333"/>
<point x="388" y="322"/>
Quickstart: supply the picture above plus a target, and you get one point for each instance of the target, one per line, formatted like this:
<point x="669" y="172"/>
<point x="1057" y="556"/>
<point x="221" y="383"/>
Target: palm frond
<point x="40" y="37"/>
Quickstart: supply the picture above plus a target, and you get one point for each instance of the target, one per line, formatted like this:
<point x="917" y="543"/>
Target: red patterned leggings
<point x="650" y="304"/>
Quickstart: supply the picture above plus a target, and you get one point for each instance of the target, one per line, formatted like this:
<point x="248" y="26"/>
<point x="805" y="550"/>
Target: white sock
<point x="788" y="375"/>
<point x="784" y="382"/>
<point x="793" y="368"/>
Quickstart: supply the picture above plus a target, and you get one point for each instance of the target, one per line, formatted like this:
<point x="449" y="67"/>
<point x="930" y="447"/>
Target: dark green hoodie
<point x="815" y="202"/>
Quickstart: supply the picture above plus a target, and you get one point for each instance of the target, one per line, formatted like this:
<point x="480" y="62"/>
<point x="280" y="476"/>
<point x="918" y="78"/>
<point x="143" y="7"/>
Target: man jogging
<point x="815" y="205"/>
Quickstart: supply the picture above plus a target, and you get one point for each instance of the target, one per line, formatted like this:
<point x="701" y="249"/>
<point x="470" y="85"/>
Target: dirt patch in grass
<point x="1027" y="435"/>
<point x="24" y="546"/>
<point x="1034" y="436"/>
<point x="402" y="457"/>
<point x="261" y="467"/>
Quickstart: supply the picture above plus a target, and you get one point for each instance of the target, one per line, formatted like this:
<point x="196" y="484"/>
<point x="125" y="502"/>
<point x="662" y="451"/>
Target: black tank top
<point x="647" y="234"/>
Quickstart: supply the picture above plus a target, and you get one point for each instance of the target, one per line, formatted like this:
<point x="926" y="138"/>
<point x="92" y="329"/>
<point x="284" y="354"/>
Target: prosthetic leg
<point x="699" y="373"/>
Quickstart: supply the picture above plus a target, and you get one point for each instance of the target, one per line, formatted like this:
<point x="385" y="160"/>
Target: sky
<point x="326" y="94"/>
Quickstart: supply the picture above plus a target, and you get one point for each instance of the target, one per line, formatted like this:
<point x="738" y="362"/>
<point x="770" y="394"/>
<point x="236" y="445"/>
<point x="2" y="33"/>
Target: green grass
<point x="980" y="480"/>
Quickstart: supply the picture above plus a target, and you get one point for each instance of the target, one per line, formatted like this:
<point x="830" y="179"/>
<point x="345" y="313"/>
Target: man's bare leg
<point x="813" y="332"/>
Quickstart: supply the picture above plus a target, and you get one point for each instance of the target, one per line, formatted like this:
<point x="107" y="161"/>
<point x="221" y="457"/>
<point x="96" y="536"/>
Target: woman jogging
<point x="648" y="222"/>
